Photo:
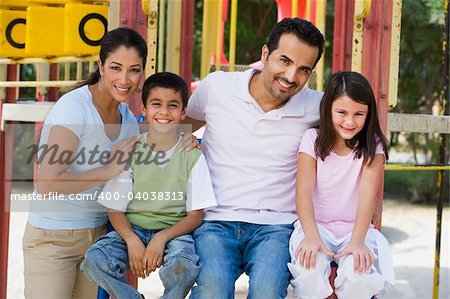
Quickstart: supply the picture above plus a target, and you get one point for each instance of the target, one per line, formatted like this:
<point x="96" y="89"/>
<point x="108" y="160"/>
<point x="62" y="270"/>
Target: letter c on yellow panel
<point x="12" y="33"/>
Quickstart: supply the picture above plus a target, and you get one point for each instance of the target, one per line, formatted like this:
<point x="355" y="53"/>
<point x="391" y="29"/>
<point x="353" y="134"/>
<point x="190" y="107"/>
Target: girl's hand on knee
<point x="154" y="253"/>
<point x="136" y="250"/>
<point x="362" y="256"/>
<point x="306" y="253"/>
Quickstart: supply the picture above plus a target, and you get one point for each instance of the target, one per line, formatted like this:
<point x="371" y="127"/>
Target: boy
<point x="155" y="204"/>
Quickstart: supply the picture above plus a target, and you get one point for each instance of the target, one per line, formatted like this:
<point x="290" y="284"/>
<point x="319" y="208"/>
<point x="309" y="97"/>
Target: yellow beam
<point x="362" y="10"/>
<point x="173" y="45"/>
<point x="320" y="24"/>
<point x="161" y="30"/>
<point x="209" y="25"/>
<point x="219" y="34"/>
<point x="233" y="25"/>
<point x="416" y="167"/>
<point x="294" y="10"/>
<point x="64" y="83"/>
<point x="150" y="7"/>
<point x="395" y="52"/>
<point x="48" y="60"/>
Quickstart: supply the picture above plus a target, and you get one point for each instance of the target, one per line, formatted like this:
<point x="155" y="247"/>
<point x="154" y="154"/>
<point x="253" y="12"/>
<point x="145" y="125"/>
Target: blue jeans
<point x="228" y="249"/>
<point x="106" y="264"/>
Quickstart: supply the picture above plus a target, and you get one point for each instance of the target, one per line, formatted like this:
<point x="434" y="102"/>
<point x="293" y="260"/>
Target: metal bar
<point x="394" y="52"/>
<point x="187" y="40"/>
<point x="66" y="71"/>
<point x="48" y="60"/>
<point x="396" y="167"/>
<point x="233" y="25"/>
<point x="320" y="24"/>
<point x="219" y="13"/>
<point x="443" y="158"/>
<point x="173" y="36"/>
<point x="357" y="48"/>
<point x="152" y="36"/>
<point x="6" y="143"/>
<point x="342" y="36"/>
<point x="79" y="73"/>
<point x="161" y="32"/>
<point x="38" y="83"/>
<point x="294" y="10"/>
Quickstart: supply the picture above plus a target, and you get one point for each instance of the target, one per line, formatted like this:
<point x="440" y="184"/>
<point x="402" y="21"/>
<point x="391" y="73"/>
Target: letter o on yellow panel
<point x="85" y="26"/>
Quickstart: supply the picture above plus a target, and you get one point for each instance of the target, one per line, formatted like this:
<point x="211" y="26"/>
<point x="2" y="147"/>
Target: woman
<point x="87" y="130"/>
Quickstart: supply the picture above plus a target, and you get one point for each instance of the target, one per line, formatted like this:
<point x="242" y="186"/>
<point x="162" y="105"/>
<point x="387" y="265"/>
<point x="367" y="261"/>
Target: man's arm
<point x="195" y="123"/>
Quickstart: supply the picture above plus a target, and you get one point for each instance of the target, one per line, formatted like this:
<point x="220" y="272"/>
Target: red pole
<point x="132" y="16"/>
<point x="5" y="191"/>
<point x="187" y="40"/>
<point x="342" y="40"/>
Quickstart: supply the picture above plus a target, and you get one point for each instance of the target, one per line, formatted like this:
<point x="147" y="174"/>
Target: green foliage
<point x="420" y="74"/>
<point x="416" y="186"/>
<point x="255" y="20"/>
<point x="27" y="73"/>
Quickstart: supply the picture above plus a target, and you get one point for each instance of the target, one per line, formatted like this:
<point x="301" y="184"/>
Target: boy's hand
<point x="136" y="251"/>
<point x="362" y="256"/>
<point x="154" y="253"/>
<point x="306" y="253"/>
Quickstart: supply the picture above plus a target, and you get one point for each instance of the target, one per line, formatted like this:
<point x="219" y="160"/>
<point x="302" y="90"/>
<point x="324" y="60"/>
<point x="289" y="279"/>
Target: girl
<point x="339" y="170"/>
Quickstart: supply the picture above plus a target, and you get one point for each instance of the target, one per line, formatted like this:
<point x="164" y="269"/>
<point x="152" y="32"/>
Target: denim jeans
<point x="227" y="249"/>
<point x="106" y="264"/>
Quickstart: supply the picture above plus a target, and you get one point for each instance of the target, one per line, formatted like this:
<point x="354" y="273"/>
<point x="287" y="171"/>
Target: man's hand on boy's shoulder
<point x="154" y="253"/>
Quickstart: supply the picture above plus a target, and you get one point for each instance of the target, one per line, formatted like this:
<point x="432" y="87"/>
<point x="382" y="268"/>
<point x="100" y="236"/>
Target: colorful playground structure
<point x="58" y="36"/>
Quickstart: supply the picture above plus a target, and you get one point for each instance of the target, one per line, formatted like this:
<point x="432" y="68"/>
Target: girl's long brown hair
<point x="355" y="86"/>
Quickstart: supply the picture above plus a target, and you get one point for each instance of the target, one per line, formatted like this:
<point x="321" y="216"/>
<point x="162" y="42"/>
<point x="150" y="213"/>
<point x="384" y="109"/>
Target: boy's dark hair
<point x="165" y="80"/>
<point x="304" y="30"/>
<point x="356" y="87"/>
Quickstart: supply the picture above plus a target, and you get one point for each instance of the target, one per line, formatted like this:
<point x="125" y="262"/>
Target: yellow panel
<point x="13" y="3"/>
<point x="61" y="1"/>
<point x="45" y="31"/>
<point x="84" y="28"/>
<point x="12" y="33"/>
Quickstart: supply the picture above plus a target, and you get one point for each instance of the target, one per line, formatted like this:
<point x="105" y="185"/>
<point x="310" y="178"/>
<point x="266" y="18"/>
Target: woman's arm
<point x="54" y="177"/>
<point x="368" y="189"/>
<point x="306" y="252"/>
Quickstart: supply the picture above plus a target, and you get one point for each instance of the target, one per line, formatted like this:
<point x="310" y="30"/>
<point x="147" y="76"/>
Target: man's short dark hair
<point x="304" y="30"/>
<point x="165" y="80"/>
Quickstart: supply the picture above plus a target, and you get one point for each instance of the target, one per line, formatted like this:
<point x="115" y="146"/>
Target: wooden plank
<point x="418" y="123"/>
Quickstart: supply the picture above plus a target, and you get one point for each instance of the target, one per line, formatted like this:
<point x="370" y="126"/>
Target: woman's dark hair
<point x="304" y="30"/>
<point x="110" y="42"/>
<point x="356" y="87"/>
<point x="165" y="80"/>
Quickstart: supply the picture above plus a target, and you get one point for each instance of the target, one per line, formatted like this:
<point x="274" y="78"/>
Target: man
<point x="255" y="122"/>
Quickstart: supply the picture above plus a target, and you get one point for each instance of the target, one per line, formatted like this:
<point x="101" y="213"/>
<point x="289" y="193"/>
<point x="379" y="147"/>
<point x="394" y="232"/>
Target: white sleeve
<point x="198" y="100"/>
<point x="200" y="193"/>
<point x="118" y="192"/>
<point x="68" y="113"/>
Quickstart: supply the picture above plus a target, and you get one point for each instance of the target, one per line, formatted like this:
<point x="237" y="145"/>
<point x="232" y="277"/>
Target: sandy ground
<point x="409" y="228"/>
